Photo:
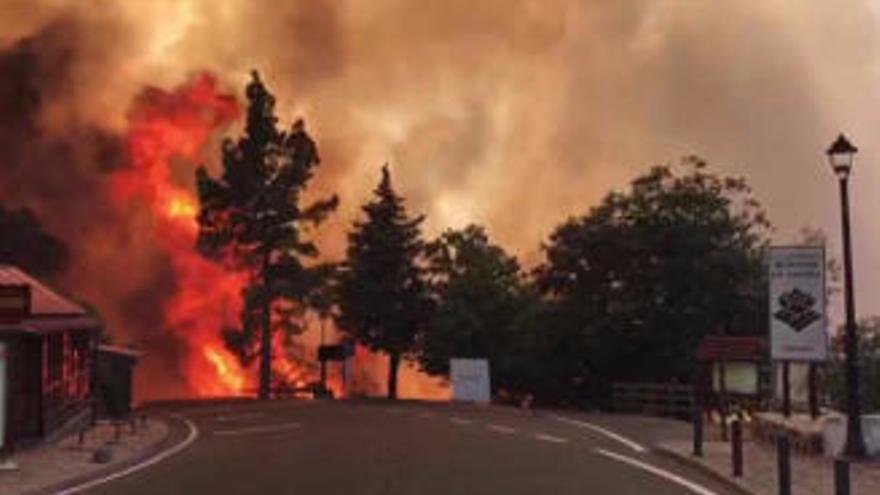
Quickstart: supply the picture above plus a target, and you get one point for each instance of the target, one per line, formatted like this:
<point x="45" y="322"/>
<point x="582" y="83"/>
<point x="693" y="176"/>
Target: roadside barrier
<point x="673" y="400"/>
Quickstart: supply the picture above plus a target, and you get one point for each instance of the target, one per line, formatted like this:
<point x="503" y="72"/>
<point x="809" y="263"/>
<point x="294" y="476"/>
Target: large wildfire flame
<point x="168" y="129"/>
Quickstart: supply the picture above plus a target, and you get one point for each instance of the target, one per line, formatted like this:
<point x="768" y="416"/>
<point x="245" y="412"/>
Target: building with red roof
<point x="48" y="345"/>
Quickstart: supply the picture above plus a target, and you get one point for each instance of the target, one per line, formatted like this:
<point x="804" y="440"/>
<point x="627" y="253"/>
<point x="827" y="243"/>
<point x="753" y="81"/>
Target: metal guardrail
<point x="673" y="400"/>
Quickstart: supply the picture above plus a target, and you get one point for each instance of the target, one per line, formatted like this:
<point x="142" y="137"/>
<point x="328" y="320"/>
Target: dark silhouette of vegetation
<point x="25" y="244"/>
<point x="868" y="332"/>
<point x="383" y="296"/>
<point x="251" y="217"/>
<point x="480" y="292"/>
<point x="627" y="291"/>
<point x="637" y="282"/>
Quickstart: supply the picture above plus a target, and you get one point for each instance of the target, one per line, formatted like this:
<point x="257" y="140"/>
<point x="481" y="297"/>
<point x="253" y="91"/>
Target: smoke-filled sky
<point x="511" y="113"/>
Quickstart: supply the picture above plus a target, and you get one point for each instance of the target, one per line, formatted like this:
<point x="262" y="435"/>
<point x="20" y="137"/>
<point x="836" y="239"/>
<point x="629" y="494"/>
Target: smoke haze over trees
<point x="25" y="244"/>
<point x="540" y="105"/>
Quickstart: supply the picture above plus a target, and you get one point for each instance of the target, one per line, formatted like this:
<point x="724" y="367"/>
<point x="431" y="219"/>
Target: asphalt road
<point x="318" y="447"/>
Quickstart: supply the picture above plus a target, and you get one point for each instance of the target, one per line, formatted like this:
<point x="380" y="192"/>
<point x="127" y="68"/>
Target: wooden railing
<point x="673" y="400"/>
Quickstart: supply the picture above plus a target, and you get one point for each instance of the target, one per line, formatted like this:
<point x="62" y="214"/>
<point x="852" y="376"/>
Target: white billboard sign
<point x="470" y="380"/>
<point x="3" y="389"/>
<point x="798" y="326"/>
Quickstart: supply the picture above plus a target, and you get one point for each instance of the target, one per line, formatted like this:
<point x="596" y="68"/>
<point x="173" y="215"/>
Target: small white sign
<point x="470" y="380"/>
<point x="2" y="395"/>
<point x="739" y="377"/>
<point x="798" y="326"/>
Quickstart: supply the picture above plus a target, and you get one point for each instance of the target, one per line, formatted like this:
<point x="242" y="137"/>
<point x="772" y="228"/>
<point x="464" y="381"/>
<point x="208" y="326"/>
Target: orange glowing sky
<point x="510" y="113"/>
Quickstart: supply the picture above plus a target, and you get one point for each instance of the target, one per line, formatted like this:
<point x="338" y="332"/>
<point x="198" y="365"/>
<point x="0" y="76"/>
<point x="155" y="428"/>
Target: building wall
<point x="23" y="400"/>
<point x="49" y="382"/>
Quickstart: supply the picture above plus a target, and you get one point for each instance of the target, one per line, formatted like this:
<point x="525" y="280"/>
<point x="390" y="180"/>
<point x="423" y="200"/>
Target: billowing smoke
<point x="510" y="113"/>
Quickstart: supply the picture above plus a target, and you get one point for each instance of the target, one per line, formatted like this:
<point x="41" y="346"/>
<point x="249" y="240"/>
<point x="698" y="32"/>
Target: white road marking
<point x="460" y="421"/>
<point x="550" y="438"/>
<point x="690" y="485"/>
<point x="502" y="429"/>
<point x="258" y="429"/>
<point x="237" y="417"/>
<point x="604" y="431"/>
<point x="190" y="438"/>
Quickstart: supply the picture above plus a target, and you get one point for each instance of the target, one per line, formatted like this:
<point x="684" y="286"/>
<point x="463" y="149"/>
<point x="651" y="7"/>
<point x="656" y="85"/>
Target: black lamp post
<point x="840" y="155"/>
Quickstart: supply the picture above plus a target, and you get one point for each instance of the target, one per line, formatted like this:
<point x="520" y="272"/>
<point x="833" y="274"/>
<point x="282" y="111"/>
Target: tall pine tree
<point x="384" y="301"/>
<point x="251" y="218"/>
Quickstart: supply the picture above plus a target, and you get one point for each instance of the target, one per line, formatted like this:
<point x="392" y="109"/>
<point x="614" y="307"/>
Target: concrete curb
<point x="689" y="461"/>
<point x="177" y="433"/>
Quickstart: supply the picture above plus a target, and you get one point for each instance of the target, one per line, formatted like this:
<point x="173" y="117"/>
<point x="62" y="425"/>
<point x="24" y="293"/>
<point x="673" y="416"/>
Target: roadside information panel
<point x="470" y="380"/>
<point x="798" y="326"/>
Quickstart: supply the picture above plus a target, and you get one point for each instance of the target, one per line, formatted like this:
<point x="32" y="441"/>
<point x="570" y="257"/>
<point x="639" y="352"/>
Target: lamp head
<point x="840" y="156"/>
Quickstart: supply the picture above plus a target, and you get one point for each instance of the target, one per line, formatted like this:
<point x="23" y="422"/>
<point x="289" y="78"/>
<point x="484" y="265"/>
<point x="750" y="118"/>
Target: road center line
<point x="604" y="431"/>
<point x="690" y="485"/>
<point x="258" y="429"/>
<point x="190" y="438"/>
<point x="550" y="438"/>
<point x="502" y="429"/>
<point x="237" y="417"/>
<point x="460" y="421"/>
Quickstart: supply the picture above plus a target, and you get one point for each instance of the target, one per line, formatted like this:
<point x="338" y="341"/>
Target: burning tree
<point x="250" y="218"/>
<point x="383" y="298"/>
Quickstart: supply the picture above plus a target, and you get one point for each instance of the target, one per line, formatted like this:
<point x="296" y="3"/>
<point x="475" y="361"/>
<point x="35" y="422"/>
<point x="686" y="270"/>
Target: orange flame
<point x="176" y="128"/>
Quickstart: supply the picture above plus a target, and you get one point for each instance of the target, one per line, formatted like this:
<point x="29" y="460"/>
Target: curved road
<point x="305" y="447"/>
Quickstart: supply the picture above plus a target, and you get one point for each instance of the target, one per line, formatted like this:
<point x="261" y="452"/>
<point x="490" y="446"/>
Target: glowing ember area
<point x="167" y="131"/>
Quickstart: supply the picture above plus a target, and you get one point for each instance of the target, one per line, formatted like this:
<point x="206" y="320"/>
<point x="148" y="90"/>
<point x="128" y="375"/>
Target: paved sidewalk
<point x="810" y="474"/>
<point x="50" y="466"/>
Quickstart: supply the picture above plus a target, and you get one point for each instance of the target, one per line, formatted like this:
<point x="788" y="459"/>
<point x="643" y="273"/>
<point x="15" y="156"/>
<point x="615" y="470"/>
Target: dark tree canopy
<point x="644" y="275"/>
<point x="25" y="244"/>
<point x="383" y="298"/>
<point x="252" y="218"/>
<point x="479" y="292"/>
<point x="868" y="334"/>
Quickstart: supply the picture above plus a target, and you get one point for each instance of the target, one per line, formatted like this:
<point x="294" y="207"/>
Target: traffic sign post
<point x="797" y="304"/>
<point x="798" y="323"/>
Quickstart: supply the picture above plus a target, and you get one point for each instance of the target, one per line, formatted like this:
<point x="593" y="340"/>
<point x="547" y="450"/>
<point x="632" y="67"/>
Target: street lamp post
<point x="840" y="156"/>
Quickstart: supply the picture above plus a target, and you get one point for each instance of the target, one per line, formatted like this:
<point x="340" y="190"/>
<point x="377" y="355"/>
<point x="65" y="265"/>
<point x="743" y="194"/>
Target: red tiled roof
<point x="716" y="347"/>
<point x="46" y="325"/>
<point x="44" y="301"/>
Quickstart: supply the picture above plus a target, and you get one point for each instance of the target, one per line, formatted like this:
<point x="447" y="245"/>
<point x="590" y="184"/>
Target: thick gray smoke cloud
<point x="510" y="113"/>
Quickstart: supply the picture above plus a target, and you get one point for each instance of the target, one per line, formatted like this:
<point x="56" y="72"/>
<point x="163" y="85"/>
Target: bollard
<point x="784" y="465"/>
<point x="698" y="432"/>
<point x="6" y="462"/>
<point x="841" y="477"/>
<point x="736" y="440"/>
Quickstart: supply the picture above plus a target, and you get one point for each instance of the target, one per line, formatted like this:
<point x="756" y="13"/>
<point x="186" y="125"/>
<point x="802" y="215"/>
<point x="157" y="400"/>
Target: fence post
<point x="841" y="477"/>
<point x="736" y="441"/>
<point x="784" y="465"/>
<point x="698" y="431"/>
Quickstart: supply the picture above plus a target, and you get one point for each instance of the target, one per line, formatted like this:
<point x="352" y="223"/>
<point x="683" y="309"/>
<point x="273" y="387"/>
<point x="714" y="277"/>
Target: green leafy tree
<point x="479" y="292"/>
<point x="383" y="297"/>
<point x="252" y="218"/>
<point x="639" y="280"/>
<point x="25" y="244"/>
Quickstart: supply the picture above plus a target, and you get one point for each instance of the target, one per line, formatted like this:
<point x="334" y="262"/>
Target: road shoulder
<point x="66" y="465"/>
